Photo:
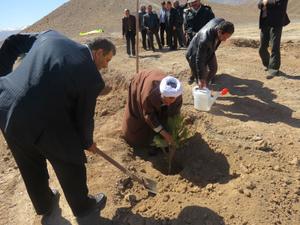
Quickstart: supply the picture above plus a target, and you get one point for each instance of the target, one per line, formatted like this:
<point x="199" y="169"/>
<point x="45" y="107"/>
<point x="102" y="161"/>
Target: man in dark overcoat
<point x="46" y="112"/>
<point x="201" y="51"/>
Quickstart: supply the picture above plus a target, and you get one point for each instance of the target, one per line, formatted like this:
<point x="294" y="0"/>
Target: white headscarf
<point x="170" y="87"/>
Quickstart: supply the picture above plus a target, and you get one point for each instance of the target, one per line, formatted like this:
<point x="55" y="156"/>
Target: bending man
<point x="201" y="51"/>
<point x="46" y="112"/>
<point x="153" y="96"/>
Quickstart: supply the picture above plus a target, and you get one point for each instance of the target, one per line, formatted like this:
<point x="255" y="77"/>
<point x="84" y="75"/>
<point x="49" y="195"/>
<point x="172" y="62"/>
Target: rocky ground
<point x="241" y="166"/>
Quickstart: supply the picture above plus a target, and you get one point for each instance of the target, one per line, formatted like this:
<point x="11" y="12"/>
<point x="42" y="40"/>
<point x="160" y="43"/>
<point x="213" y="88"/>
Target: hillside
<point x="77" y="15"/>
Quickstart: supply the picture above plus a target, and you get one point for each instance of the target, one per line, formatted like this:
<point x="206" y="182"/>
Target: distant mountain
<point x="5" y="33"/>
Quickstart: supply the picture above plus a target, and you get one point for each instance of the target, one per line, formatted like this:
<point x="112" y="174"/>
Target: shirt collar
<point x="90" y="52"/>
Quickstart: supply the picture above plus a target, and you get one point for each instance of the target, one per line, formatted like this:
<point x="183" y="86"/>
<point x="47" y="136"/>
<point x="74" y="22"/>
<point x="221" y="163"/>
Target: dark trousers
<point x="172" y="37"/>
<point x="270" y="35"/>
<point x="180" y="36"/>
<point x="162" y="30"/>
<point x="211" y="70"/>
<point x="189" y="37"/>
<point x="144" y="38"/>
<point x="33" y="168"/>
<point x="150" y="38"/>
<point x="130" y="42"/>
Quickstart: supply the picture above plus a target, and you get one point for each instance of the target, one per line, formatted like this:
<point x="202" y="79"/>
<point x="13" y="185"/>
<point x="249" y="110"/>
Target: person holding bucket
<point x="201" y="51"/>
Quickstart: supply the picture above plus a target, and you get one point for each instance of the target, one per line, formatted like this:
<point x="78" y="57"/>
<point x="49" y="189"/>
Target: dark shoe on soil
<point x="99" y="205"/>
<point x="54" y="202"/>
<point x="191" y="80"/>
<point x="272" y="73"/>
<point x="213" y="80"/>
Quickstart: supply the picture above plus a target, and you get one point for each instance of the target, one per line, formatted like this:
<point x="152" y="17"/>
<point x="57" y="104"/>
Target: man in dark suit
<point x="272" y="18"/>
<point x="201" y="51"/>
<point x="46" y="112"/>
<point x="142" y="29"/>
<point x="195" y="17"/>
<point x="151" y="23"/>
<point x="172" y="22"/>
<point x="129" y="31"/>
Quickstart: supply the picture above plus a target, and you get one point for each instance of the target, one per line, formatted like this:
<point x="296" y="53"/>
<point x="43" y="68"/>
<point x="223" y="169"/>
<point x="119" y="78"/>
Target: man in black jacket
<point x="179" y="29"/>
<point x="129" y="31"/>
<point x="172" y="20"/>
<point x="143" y="30"/>
<point x="272" y="18"/>
<point x="46" y="112"/>
<point x="151" y="23"/>
<point x="162" y="22"/>
<point x="201" y="51"/>
<point x="195" y="18"/>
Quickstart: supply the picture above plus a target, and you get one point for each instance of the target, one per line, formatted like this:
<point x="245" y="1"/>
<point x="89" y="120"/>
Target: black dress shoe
<point x="272" y="73"/>
<point x="191" y="80"/>
<point x="213" y="80"/>
<point x="99" y="205"/>
<point x="54" y="202"/>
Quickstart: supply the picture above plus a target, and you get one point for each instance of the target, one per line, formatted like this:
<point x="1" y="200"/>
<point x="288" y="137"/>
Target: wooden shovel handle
<point x="119" y="166"/>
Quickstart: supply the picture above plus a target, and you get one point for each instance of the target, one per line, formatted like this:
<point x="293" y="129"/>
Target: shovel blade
<point x="150" y="185"/>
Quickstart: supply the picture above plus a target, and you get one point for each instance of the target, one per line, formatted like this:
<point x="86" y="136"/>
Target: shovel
<point x="149" y="184"/>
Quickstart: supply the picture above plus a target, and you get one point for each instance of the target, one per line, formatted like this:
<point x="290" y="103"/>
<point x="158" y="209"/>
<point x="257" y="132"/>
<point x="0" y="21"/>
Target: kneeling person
<point x="153" y="97"/>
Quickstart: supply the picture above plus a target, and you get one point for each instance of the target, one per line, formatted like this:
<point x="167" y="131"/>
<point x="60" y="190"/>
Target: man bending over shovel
<point x="46" y="112"/>
<point x="153" y="97"/>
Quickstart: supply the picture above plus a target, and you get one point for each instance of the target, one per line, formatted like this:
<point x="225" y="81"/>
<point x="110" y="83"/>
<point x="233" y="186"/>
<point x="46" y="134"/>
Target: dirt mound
<point x="242" y="42"/>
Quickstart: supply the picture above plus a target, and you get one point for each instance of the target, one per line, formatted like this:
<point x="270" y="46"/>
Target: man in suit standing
<point x="179" y="29"/>
<point x="142" y="29"/>
<point x="172" y="20"/>
<point x="129" y="31"/>
<point x="46" y="112"/>
<point x="151" y="23"/>
<point x="195" y="18"/>
<point x="272" y="18"/>
<point x="162" y="22"/>
<point x="201" y="51"/>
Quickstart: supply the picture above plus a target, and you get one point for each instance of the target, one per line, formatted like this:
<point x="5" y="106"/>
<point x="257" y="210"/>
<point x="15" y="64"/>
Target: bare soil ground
<point x="240" y="167"/>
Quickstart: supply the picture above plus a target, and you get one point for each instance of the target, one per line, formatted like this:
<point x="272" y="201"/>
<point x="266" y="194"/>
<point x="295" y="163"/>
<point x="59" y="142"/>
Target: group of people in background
<point x="174" y="26"/>
<point x="177" y="24"/>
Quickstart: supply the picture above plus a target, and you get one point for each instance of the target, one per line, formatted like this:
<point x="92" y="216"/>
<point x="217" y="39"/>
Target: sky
<point x="16" y="14"/>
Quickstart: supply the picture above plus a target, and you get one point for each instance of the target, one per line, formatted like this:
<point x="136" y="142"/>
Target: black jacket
<point x="203" y="46"/>
<point x="180" y="11"/>
<point x="49" y="99"/>
<point x="128" y="24"/>
<point x="141" y="20"/>
<point x="276" y="14"/>
<point x="194" y="21"/>
<point x="151" y="21"/>
<point x="172" y="19"/>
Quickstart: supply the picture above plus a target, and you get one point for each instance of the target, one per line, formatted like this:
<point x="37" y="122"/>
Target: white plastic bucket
<point x="202" y="99"/>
